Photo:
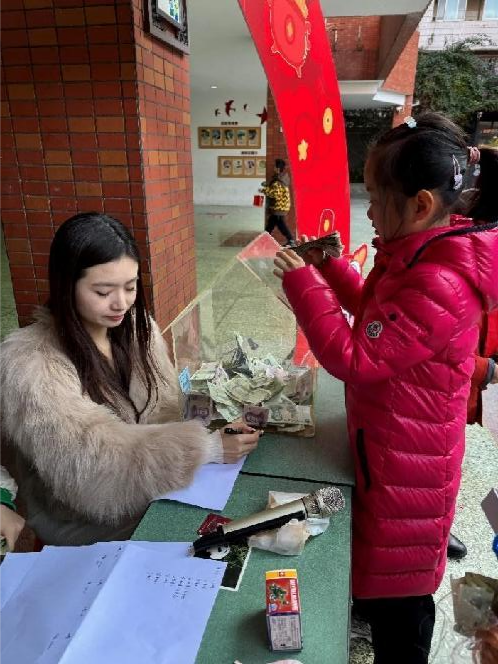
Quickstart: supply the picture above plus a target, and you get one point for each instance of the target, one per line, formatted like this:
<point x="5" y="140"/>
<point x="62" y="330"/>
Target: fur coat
<point x="85" y="471"/>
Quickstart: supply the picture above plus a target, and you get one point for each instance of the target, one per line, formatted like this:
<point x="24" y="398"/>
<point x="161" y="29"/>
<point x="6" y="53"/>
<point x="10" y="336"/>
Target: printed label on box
<point x="283" y="610"/>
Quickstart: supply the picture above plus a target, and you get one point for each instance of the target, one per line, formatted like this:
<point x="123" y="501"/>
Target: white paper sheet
<point x="12" y="571"/>
<point x="111" y="602"/>
<point x="211" y="488"/>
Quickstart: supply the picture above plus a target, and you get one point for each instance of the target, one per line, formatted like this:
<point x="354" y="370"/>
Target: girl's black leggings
<point x="401" y="627"/>
<point x="278" y="221"/>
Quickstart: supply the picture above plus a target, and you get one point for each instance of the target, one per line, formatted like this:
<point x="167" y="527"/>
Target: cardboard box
<point x="283" y="610"/>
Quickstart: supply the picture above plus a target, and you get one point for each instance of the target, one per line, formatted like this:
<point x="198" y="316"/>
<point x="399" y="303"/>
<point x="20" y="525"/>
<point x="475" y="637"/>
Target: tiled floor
<point x="216" y="225"/>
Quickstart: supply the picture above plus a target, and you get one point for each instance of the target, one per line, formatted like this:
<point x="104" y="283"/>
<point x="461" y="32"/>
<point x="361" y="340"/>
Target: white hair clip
<point x="457" y="174"/>
<point x="411" y="122"/>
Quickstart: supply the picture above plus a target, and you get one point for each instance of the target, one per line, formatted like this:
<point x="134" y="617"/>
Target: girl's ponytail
<point x="483" y="205"/>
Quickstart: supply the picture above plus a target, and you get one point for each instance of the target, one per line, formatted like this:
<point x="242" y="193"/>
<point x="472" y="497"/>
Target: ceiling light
<point x="214" y="87"/>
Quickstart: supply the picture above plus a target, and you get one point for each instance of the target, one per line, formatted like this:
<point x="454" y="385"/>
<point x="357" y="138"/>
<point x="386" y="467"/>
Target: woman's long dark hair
<point x="81" y="242"/>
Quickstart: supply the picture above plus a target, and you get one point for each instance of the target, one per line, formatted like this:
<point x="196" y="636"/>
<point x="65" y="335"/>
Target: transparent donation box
<point x="239" y="353"/>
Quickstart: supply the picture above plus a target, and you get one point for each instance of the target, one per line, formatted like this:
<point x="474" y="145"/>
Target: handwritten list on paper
<point x="123" y="602"/>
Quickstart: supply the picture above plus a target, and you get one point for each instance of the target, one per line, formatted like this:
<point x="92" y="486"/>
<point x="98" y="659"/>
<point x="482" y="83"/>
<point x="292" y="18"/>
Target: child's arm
<point x="397" y="334"/>
<point x="11" y="524"/>
<point x="346" y="282"/>
<point x="483" y="373"/>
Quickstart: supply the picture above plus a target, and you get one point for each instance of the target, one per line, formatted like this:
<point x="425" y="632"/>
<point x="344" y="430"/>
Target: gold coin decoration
<point x="328" y="120"/>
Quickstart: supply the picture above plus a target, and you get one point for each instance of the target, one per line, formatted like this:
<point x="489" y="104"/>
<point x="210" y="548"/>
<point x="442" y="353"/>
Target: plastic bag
<point x="289" y="539"/>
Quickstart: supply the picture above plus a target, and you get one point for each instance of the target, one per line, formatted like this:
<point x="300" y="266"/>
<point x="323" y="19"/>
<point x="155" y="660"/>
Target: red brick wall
<point x="355" y="46"/>
<point x="91" y="109"/>
<point x="164" y="110"/>
<point x="402" y="77"/>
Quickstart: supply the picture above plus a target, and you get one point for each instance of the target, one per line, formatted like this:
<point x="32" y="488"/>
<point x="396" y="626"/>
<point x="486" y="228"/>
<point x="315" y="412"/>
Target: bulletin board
<point x="241" y="167"/>
<point x="216" y="138"/>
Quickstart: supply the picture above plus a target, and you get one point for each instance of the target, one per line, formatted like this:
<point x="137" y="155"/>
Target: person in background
<point x="407" y="365"/>
<point x="11" y="524"/>
<point x="278" y="202"/>
<point x="484" y="209"/>
<point x="90" y="398"/>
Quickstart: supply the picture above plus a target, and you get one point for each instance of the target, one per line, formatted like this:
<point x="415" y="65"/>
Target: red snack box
<point x="211" y="523"/>
<point x="283" y="610"/>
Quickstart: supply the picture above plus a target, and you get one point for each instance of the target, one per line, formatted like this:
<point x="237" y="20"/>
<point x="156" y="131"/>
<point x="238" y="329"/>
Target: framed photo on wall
<point x="167" y="21"/>
<point x="204" y="137"/>
<point x="241" y="167"/>
<point x="254" y="137"/>
<point x="216" y="138"/>
<point x="249" y="167"/>
<point x="224" y="167"/>
<point x="241" y="137"/>
<point x="171" y="10"/>
<point x="229" y="137"/>
<point x="237" y="166"/>
<point x="261" y="167"/>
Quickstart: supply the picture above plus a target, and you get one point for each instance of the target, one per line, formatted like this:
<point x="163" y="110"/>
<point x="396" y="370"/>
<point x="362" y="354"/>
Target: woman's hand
<point x="286" y="261"/>
<point x="11" y="525"/>
<point x="238" y="445"/>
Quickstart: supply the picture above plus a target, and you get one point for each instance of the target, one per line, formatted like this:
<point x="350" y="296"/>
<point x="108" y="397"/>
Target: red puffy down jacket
<point x="407" y="364"/>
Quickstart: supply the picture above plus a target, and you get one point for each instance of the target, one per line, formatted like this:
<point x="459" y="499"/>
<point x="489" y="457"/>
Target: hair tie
<point x="474" y="154"/>
<point x="457" y="174"/>
<point x="411" y="122"/>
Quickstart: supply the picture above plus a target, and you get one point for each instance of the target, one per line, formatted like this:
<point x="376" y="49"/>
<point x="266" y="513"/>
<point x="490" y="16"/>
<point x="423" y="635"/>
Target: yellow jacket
<point x="279" y="195"/>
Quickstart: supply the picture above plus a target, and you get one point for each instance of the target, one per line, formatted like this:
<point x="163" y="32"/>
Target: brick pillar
<point x="163" y="84"/>
<point x="402" y="77"/>
<point x="95" y="116"/>
<point x="277" y="149"/>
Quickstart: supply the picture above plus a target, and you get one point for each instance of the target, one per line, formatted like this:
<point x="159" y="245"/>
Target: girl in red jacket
<point x="407" y="364"/>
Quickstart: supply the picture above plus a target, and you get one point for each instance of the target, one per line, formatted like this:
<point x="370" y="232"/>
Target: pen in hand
<point x="234" y="432"/>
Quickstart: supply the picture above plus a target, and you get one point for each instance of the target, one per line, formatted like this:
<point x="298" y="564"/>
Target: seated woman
<point x="90" y="399"/>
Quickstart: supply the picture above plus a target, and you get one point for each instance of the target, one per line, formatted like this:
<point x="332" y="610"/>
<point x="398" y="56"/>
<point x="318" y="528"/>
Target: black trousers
<point x="401" y="627"/>
<point x="278" y="221"/>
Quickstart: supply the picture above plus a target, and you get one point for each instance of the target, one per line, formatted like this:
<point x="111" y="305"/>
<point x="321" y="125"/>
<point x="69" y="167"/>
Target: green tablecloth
<point x="237" y="627"/>
<point x="325" y="457"/>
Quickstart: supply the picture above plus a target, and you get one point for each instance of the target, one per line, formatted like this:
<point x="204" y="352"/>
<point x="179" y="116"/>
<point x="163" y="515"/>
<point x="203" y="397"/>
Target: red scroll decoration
<point x="295" y="51"/>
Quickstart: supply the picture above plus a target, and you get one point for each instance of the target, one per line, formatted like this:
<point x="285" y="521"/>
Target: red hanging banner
<point x="295" y="51"/>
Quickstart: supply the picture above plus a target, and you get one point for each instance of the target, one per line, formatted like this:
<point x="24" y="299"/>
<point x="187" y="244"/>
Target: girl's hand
<point x="238" y="445"/>
<point x="312" y="256"/>
<point x="11" y="525"/>
<point x="286" y="261"/>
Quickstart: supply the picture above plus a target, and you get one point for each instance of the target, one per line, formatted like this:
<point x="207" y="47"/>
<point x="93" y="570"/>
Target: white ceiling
<point x="222" y="51"/>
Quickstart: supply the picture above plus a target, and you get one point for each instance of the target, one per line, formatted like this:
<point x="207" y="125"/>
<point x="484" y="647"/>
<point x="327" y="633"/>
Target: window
<point x="474" y="10"/>
<point x="450" y="10"/>
<point x="490" y="9"/>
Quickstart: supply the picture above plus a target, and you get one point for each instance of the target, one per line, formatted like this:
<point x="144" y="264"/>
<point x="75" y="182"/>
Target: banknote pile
<point x="264" y="392"/>
<point x="329" y="244"/>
